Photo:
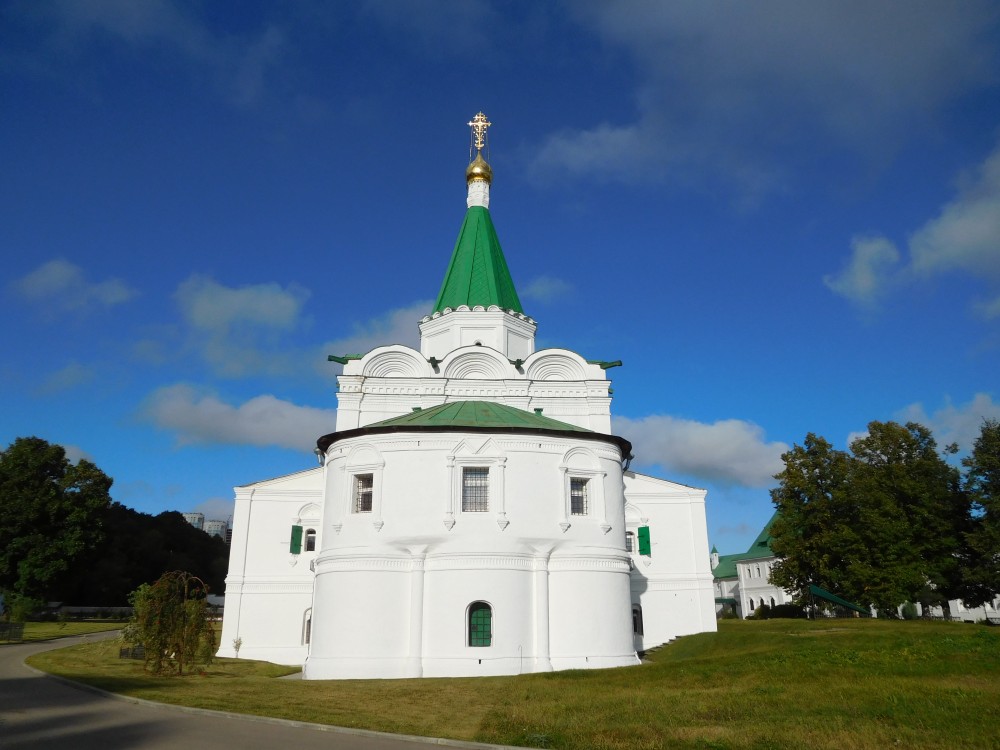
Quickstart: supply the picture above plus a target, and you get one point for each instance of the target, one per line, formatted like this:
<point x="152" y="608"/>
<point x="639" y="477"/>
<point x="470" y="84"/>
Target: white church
<point x="472" y="514"/>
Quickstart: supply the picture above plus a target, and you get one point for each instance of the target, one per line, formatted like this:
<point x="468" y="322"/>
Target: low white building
<point x="472" y="515"/>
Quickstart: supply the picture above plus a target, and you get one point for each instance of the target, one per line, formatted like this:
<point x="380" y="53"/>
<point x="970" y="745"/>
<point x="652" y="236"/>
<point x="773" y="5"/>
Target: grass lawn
<point x="45" y="631"/>
<point x="837" y="684"/>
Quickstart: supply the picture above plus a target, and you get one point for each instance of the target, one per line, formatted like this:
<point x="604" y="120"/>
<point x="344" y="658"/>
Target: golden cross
<point x="479" y="124"/>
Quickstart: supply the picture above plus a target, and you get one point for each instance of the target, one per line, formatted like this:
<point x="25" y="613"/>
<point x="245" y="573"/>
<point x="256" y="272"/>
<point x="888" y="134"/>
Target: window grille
<point x="578" y="497"/>
<point x="480" y="624"/>
<point x="475" y="488"/>
<point x="364" y="485"/>
<point x="629" y="541"/>
<point x="310" y="540"/>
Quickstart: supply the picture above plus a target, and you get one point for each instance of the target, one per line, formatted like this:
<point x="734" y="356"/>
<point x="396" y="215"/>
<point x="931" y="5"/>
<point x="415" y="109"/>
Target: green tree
<point x="811" y="536"/>
<point x="881" y="525"/>
<point x="171" y="621"/>
<point x="982" y="480"/>
<point x="50" y="515"/>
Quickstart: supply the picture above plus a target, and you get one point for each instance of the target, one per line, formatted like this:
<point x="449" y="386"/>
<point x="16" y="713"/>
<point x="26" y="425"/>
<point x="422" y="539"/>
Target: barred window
<point x="475" y="488"/>
<point x="629" y="541"/>
<point x="310" y="540"/>
<point x="578" y="505"/>
<point x="364" y="484"/>
<point x="480" y="624"/>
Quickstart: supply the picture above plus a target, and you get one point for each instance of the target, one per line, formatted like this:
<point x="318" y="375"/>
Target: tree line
<point x="891" y="520"/>
<point x="62" y="537"/>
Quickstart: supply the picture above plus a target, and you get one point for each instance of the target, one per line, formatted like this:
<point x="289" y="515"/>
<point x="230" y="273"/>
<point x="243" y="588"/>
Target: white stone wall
<point x="755" y="587"/>
<point x="269" y="590"/>
<point x="674" y="584"/>
<point x="393" y="585"/>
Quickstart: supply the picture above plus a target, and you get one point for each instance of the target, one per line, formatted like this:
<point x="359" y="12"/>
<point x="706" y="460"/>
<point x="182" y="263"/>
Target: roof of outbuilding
<point x="477" y="273"/>
<point x="475" y="416"/>
<point x="760" y="547"/>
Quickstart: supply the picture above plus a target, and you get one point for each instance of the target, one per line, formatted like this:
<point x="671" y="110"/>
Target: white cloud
<point x="238" y="63"/>
<point x="954" y="424"/>
<point x="68" y="377"/>
<point x="60" y="285"/>
<point x="966" y="234"/>
<point x="465" y="27"/>
<point x="965" y="237"/>
<point x="197" y="417"/>
<point x="711" y="76"/>
<point x="546" y="289"/>
<point x="870" y="270"/>
<point x="216" y="508"/>
<point x="240" y="331"/>
<point x="74" y="453"/>
<point x="213" y="307"/>
<point x="394" y="327"/>
<point x="729" y="451"/>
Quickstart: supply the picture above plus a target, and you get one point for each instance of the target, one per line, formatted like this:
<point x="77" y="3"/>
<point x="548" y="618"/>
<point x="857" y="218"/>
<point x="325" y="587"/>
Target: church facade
<point x="472" y="513"/>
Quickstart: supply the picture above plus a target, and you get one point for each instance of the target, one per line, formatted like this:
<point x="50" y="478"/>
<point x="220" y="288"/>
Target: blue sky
<point x="783" y="217"/>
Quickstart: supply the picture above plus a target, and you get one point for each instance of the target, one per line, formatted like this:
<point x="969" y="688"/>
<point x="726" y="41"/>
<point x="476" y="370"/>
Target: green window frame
<point x="480" y="624"/>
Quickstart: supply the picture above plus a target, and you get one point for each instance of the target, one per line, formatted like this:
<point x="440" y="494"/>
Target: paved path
<point x="37" y="711"/>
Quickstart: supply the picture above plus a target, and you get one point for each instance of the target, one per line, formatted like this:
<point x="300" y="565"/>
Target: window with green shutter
<point x="644" y="548"/>
<point x="295" y="545"/>
<point x="480" y="624"/>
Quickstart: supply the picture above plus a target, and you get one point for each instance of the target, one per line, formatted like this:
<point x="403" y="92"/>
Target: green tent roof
<point x="475" y="416"/>
<point x="478" y="273"/>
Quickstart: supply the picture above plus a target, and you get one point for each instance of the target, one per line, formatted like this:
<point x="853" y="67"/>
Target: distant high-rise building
<point x="195" y="519"/>
<point x="216" y="528"/>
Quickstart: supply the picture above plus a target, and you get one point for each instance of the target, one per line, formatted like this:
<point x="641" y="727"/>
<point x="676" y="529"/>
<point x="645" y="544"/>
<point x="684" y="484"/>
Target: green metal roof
<point x="727" y="566"/>
<point x="477" y="414"/>
<point x="761" y="547"/>
<point x="478" y="273"/>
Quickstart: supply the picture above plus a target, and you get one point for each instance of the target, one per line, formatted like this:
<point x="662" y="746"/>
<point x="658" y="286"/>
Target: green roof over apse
<point x="478" y="273"/>
<point x="477" y="414"/>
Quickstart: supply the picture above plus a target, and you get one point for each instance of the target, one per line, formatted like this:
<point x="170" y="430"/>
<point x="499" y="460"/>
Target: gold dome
<point x="479" y="170"/>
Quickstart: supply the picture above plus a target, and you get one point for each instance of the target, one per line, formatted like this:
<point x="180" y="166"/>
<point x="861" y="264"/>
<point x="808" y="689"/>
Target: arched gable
<point x="394" y="362"/>
<point x="476" y="363"/>
<point x="557" y="364"/>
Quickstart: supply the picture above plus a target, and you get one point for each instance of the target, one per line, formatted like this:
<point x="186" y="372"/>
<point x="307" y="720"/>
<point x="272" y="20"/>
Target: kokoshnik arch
<point x="472" y="514"/>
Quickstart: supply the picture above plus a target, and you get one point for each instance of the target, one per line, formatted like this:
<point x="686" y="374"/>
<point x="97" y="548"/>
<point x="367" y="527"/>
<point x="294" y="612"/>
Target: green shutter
<point x="296" y="544"/>
<point x="644" y="540"/>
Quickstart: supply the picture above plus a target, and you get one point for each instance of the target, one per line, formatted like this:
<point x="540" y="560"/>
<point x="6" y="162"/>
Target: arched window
<point x="751" y="604"/>
<point x="310" y="540"/>
<point x="480" y="624"/>
<point x="758" y="571"/>
<point x="307" y="627"/>
<point x="772" y="601"/>
<point x="629" y="541"/>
